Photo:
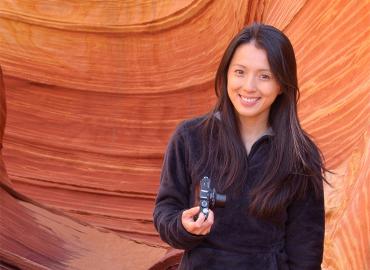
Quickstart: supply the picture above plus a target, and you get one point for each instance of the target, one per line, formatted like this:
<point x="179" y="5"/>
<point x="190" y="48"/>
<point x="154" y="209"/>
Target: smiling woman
<point x="255" y="151"/>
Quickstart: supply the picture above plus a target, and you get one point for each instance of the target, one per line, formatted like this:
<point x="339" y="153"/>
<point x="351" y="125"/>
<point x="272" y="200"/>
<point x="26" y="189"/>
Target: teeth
<point x="247" y="99"/>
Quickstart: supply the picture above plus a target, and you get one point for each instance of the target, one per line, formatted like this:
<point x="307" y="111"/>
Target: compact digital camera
<point x="208" y="197"/>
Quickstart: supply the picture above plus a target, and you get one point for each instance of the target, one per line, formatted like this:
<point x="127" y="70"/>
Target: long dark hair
<point x="294" y="163"/>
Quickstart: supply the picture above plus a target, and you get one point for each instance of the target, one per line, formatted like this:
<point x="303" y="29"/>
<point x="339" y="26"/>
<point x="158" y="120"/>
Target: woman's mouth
<point x="249" y="100"/>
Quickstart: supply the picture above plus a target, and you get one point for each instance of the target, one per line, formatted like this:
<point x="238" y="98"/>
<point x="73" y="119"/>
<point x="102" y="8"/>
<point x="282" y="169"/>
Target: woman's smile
<point x="248" y="101"/>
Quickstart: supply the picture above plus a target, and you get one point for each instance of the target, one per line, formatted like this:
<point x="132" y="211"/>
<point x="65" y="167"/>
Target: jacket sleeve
<point x="305" y="233"/>
<point x="173" y="197"/>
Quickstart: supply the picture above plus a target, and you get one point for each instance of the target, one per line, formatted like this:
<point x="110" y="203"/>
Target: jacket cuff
<point x="190" y="240"/>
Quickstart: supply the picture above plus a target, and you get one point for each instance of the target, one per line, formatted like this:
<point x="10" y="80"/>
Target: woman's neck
<point x="251" y="131"/>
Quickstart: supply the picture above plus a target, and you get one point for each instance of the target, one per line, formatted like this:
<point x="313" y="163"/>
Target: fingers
<point x="206" y="224"/>
<point x="201" y="226"/>
<point x="200" y="220"/>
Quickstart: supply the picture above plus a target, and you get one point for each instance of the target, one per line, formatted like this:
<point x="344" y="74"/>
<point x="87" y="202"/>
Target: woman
<point x="254" y="150"/>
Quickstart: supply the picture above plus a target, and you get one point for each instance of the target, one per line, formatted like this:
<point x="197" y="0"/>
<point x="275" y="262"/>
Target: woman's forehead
<point x="249" y="56"/>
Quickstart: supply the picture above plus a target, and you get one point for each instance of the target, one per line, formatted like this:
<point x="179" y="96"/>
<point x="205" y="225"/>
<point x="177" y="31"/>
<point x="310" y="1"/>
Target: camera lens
<point x="220" y="200"/>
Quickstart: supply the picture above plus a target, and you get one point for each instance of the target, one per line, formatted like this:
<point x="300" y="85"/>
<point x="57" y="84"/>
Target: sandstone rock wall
<point x="94" y="90"/>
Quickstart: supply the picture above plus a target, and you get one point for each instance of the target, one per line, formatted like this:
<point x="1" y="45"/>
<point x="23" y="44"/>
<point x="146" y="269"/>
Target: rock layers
<point x="95" y="88"/>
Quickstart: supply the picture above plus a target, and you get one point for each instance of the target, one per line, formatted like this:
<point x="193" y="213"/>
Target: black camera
<point x="208" y="197"/>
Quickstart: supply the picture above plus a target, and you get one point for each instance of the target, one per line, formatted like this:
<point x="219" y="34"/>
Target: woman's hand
<point x="201" y="226"/>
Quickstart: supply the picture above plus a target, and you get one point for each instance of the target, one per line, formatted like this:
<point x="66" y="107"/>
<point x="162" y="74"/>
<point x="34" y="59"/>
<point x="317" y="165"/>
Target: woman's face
<point x="251" y="86"/>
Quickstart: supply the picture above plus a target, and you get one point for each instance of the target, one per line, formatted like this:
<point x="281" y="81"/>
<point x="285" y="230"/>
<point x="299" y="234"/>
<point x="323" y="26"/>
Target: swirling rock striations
<point x="33" y="236"/>
<point x="94" y="90"/>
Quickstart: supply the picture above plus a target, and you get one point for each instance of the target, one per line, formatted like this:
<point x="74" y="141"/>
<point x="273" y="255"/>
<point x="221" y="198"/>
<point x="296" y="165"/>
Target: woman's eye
<point x="239" y="72"/>
<point x="265" y="76"/>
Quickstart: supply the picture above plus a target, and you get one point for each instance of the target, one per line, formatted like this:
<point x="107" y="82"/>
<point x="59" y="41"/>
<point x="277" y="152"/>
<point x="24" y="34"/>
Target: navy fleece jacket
<point x="237" y="240"/>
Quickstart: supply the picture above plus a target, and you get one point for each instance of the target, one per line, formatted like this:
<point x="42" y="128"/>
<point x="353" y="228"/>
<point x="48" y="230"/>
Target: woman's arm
<point x="173" y="196"/>
<point x="305" y="233"/>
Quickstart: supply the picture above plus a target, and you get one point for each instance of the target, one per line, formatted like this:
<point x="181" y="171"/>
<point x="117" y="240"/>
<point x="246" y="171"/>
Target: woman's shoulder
<point x="191" y="126"/>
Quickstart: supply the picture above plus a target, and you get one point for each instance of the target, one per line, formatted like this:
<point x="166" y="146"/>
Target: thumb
<point x="189" y="213"/>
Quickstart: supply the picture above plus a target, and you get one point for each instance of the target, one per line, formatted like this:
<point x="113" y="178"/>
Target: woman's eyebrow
<point x="239" y="65"/>
<point x="265" y="69"/>
<point x="261" y="69"/>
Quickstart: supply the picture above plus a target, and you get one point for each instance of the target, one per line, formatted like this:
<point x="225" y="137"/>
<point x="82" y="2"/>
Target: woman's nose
<point x="249" y="85"/>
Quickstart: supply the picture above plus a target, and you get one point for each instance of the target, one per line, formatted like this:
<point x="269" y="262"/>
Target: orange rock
<point x="95" y="90"/>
